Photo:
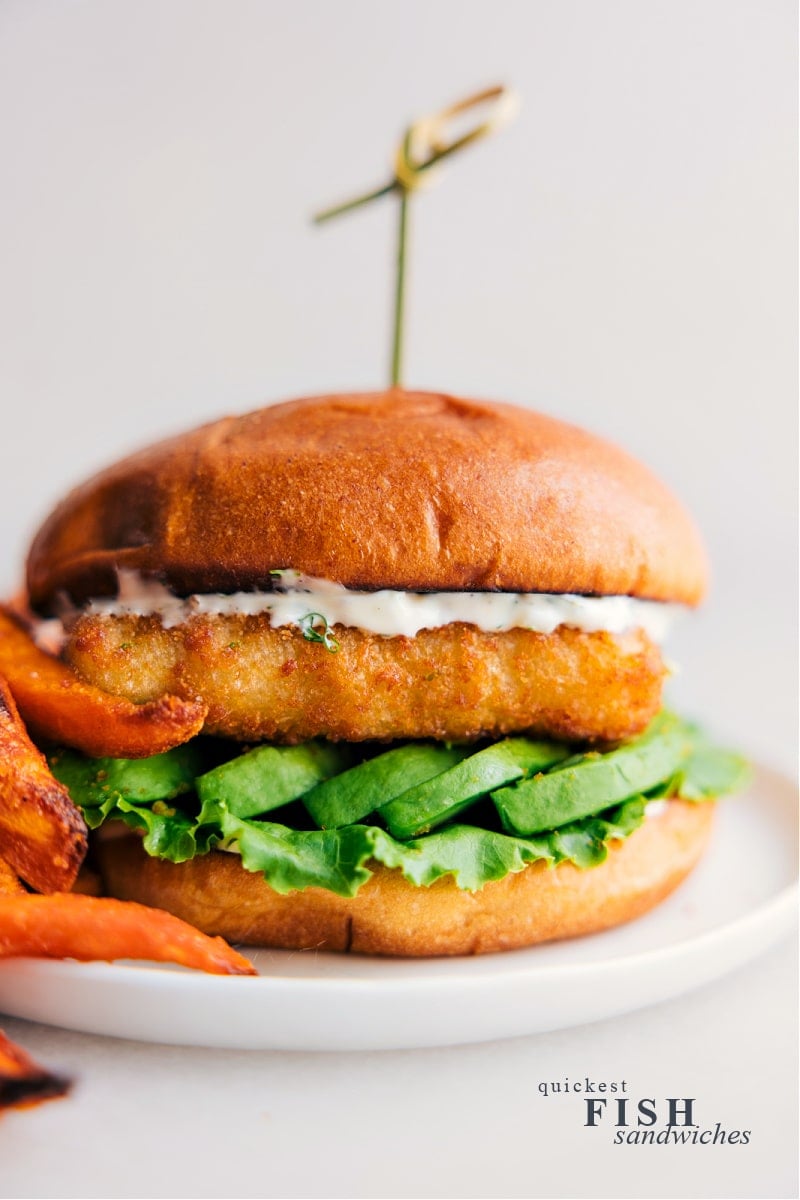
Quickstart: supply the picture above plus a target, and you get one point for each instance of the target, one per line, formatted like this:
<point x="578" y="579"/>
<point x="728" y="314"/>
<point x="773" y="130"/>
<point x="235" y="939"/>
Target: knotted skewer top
<point x="423" y="146"/>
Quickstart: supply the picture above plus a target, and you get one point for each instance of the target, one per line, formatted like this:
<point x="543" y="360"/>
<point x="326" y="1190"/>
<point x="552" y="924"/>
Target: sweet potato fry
<point x="22" y="1081"/>
<point x="9" y="881"/>
<point x="58" y="706"/>
<point x="42" y="834"/>
<point x="90" y="927"/>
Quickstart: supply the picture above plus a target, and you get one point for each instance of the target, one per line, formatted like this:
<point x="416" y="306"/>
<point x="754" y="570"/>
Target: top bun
<point x="408" y="490"/>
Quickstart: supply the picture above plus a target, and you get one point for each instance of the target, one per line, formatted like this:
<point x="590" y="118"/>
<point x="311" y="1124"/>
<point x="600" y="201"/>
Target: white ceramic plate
<point x="740" y="900"/>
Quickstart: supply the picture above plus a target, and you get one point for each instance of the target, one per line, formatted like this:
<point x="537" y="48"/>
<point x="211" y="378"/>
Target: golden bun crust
<point x="390" y="916"/>
<point x="405" y="490"/>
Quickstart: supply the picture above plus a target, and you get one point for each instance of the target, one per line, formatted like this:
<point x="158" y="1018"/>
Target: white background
<point x="623" y="256"/>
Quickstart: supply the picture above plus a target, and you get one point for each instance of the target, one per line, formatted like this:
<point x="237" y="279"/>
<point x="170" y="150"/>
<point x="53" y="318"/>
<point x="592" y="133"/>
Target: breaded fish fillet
<point x="452" y="683"/>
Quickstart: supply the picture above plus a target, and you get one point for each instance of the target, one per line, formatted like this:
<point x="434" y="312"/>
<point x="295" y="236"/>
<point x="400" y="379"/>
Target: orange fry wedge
<point x="42" y="834"/>
<point x="22" y="1081"/>
<point x="91" y="927"/>
<point x="58" y="706"/>
<point x="9" y="881"/>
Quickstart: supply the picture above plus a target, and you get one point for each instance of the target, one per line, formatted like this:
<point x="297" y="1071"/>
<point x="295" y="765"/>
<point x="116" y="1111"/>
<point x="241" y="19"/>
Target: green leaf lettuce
<point x="570" y="810"/>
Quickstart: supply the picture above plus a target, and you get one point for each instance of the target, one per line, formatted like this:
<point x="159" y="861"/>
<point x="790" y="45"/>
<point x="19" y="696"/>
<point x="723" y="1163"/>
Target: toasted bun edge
<point x="390" y="916"/>
<point x="397" y="489"/>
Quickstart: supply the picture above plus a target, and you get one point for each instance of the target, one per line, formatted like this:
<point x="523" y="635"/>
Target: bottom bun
<point x="391" y="916"/>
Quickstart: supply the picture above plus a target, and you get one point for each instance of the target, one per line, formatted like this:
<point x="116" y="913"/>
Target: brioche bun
<point x="390" y="916"/>
<point x="406" y="490"/>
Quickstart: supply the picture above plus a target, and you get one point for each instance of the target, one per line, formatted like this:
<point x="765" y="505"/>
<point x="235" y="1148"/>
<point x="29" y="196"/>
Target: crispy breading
<point x="453" y="683"/>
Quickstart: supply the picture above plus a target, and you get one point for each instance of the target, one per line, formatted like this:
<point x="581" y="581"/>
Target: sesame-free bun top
<point x="397" y="489"/>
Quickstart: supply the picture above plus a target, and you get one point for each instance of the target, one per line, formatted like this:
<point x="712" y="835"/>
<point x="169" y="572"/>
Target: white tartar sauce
<point x="391" y="613"/>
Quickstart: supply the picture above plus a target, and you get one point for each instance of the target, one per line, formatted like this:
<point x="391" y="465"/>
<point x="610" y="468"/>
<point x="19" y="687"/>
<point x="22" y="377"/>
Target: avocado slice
<point x="270" y="776"/>
<point x="351" y="796"/>
<point x="590" y="783"/>
<point x="433" y="802"/>
<point x="91" y="781"/>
